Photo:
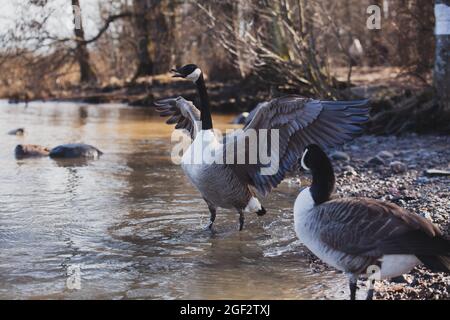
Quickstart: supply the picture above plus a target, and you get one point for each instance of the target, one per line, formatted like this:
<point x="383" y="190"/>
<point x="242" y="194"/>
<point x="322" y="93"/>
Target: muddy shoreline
<point x="231" y="96"/>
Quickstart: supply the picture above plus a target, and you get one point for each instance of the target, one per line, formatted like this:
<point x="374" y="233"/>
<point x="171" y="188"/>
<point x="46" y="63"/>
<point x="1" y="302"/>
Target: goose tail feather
<point x="436" y="263"/>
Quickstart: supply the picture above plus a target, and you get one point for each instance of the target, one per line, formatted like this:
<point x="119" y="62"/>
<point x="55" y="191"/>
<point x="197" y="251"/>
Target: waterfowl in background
<point x="352" y="234"/>
<point x="17" y="132"/>
<point x="30" y="151"/>
<point x="300" y="121"/>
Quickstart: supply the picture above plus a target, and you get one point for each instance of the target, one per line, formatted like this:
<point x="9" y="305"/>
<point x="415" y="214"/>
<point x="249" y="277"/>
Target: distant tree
<point x="87" y="74"/>
<point x="162" y="34"/>
<point x="280" y="47"/>
<point x="423" y="14"/>
<point x="145" y="63"/>
<point x="442" y="57"/>
<point x="377" y="52"/>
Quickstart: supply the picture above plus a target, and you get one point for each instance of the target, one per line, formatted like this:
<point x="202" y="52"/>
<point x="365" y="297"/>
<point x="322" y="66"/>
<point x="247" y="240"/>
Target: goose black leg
<point x="241" y="220"/>
<point x="370" y="294"/>
<point x="353" y="280"/>
<point x="212" y="211"/>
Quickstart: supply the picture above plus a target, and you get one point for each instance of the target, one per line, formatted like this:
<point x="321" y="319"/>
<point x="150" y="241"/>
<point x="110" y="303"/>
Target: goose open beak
<point x="176" y="74"/>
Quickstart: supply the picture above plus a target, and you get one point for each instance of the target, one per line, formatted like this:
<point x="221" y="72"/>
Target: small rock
<point x="17" y="132"/>
<point x="397" y="287"/>
<point x="399" y="279"/>
<point x="75" y="150"/>
<point x="397" y="167"/>
<point x="385" y="155"/>
<point x="394" y="192"/>
<point x="425" y="153"/>
<point x="437" y="172"/>
<point x="30" y="150"/>
<point x="294" y="182"/>
<point x="426" y="215"/>
<point x="376" y="161"/>
<point x="349" y="171"/>
<point x="422" y="180"/>
<point x="340" y="155"/>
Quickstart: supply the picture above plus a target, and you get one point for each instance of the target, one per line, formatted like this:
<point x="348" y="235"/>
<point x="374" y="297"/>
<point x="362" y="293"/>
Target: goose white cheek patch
<point x="303" y="160"/>
<point x="194" y="75"/>
<point x="442" y="14"/>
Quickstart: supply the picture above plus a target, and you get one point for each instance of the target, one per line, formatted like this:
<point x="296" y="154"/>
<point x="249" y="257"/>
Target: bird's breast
<point x="203" y="150"/>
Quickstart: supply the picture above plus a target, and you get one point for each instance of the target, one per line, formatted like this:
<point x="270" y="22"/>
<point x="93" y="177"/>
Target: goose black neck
<point x="205" y="112"/>
<point x="323" y="179"/>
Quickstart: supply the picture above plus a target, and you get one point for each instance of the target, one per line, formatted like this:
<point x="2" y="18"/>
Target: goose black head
<point x="190" y="71"/>
<point x="314" y="158"/>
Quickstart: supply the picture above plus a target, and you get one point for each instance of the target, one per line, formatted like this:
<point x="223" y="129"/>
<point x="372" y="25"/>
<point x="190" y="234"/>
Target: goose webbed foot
<point x="210" y="227"/>
<point x="241" y="220"/>
<point x="212" y="219"/>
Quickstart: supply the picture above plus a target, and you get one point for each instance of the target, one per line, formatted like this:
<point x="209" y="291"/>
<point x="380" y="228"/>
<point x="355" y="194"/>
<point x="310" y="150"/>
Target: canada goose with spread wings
<point x="298" y="121"/>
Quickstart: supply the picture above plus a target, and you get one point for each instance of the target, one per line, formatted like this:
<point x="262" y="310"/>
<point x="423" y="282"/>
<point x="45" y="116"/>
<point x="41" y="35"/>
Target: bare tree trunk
<point x="145" y="64"/>
<point x="377" y="52"/>
<point x="87" y="74"/>
<point x="278" y="32"/>
<point x="442" y="58"/>
<point x="242" y="24"/>
<point x="175" y="56"/>
<point x="161" y="36"/>
<point x="424" y="33"/>
<point x="404" y="18"/>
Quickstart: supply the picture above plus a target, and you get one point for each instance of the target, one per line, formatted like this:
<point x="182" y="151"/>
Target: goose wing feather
<point x="300" y="121"/>
<point x="182" y="112"/>
<point x="368" y="227"/>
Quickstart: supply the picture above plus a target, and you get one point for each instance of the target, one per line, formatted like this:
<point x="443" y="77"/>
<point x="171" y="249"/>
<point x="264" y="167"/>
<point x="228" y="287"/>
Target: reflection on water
<point x="131" y="221"/>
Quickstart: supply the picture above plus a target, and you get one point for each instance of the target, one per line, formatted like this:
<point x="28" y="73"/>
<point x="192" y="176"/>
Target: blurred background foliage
<point x="249" y="50"/>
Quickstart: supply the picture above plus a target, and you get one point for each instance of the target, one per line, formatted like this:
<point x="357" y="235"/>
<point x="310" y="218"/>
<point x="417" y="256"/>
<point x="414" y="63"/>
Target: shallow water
<point x="130" y="221"/>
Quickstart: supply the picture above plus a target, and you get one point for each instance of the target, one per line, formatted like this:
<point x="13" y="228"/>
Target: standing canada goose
<point x="300" y="121"/>
<point x="352" y="234"/>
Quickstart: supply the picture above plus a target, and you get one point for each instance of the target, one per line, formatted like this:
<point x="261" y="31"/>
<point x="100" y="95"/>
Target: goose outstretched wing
<point x="300" y="121"/>
<point x="182" y="112"/>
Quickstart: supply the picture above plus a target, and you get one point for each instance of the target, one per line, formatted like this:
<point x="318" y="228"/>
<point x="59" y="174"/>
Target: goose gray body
<point x="219" y="186"/>
<point x="352" y="234"/>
